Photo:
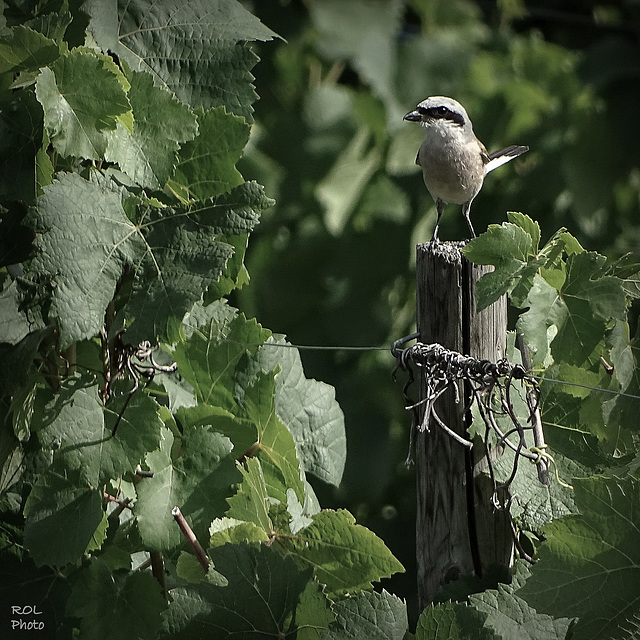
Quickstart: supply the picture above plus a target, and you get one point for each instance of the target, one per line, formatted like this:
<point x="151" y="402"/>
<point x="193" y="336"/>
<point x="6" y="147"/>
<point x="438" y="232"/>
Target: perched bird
<point x="453" y="161"/>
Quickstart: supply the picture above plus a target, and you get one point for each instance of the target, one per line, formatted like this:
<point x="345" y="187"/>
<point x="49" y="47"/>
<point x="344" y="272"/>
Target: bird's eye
<point x="442" y="111"/>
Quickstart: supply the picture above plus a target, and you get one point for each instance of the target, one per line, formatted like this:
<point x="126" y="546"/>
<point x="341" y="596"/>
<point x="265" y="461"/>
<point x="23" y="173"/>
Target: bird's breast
<point x="453" y="170"/>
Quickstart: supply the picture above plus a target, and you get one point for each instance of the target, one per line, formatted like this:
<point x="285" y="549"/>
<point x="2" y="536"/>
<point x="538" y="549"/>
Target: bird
<point x="453" y="161"/>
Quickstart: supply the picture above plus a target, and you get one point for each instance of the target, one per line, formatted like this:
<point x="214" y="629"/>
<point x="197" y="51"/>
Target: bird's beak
<point x="413" y="116"/>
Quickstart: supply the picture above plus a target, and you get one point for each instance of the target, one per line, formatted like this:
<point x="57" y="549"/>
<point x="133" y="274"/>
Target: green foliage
<point x="124" y="224"/>
<point x="128" y="223"/>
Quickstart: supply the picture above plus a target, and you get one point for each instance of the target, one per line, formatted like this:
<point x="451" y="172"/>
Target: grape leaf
<point x="101" y="596"/>
<point x="589" y="564"/>
<point x="509" y="616"/>
<point x="509" y="248"/>
<point x="267" y="595"/>
<point x="24" y="49"/>
<point x="206" y="166"/>
<point x="197" y="482"/>
<point x="62" y="514"/>
<point x="195" y="48"/>
<point x="84" y="242"/>
<point x="369" y="616"/>
<point x="81" y="99"/>
<point x="218" y="338"/>
<point x="275" y="445"/>
<point x="309" y="410"/>
<point x="345" y="556"/>
<point x="148" y="154"/>
<point x="452" y="621"/>
<point x="184" y="254"/>
<point x="81" y="433"/>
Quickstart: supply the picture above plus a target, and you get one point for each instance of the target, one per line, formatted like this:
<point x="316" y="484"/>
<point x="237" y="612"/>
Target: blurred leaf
<point x="344" y="185"/>
<point x="588" y="563"/>
<point x="371" y="51"/>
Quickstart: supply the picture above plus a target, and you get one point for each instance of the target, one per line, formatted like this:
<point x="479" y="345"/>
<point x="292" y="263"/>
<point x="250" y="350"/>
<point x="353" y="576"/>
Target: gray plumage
<point x="453" y="161"/>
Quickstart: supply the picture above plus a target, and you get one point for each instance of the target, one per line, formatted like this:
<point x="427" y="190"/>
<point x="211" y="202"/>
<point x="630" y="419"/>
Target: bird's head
<point x="439" y="111"/>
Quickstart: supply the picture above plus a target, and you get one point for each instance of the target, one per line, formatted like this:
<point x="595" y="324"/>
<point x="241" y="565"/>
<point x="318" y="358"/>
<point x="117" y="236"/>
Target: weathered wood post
<point x="458" y="532"/>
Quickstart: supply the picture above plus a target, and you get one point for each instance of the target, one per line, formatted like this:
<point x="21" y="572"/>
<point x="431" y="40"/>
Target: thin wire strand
<point x="311" y="347"/>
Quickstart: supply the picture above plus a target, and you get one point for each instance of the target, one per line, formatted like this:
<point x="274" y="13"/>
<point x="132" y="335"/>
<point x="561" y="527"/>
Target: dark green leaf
<point x="589" y="563"/>
<point x="79" y="429"/>
<point x="24" y="49"/>
<point x="85" y="240"/>
<point x="452" y="621"/>
<point x="197" y="482"/>
<point x="206" y="166"/>
<point x="62" y="515"/>
<point x="184" y="254"/>
<point x="102" y="596"/>
<point x="149" y="153"/>
<point x="195" y="48"/>
<point x="267" y="595"/>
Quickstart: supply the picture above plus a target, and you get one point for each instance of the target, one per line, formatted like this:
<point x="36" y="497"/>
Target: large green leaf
<point x="82" y="99"/>
<point x="309" y="410"/>
<point x="84" y="242"/>
<point x="62" y="515"/>
<point x="590" y="563"/>
<point x="267" y="595"/>
<point x="81" y="432"/>
<point x="197" y="481"/>
<point x="24" y="49"/>
<point x="509" y="616"/>
<point x="218" y="339"/>
<point x="102" y="595"/>
<point x="345" y="556"/>
<point x="148" y="154"/>
<point x="185" y="252"/>
<point x="452" y="621"/>
<point x="369" y="616"/>
<point x="206" y="166"/>
<point x="195" y="48"/>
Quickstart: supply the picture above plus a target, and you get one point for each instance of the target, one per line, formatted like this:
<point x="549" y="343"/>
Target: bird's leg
<point x="466" y="208"/>
<point x="439" y="208"/>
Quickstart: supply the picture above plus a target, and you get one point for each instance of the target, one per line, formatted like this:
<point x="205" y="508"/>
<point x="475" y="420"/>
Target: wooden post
<point x="458" y="532"/>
